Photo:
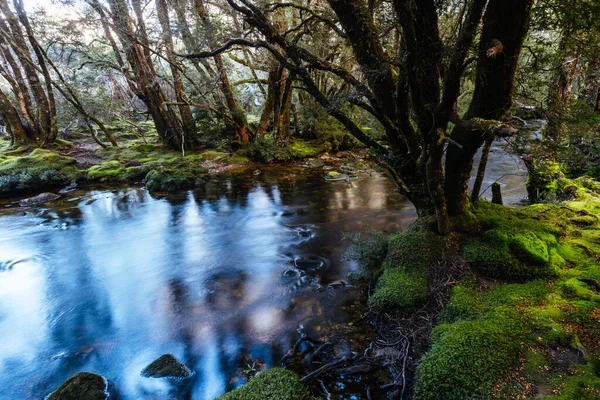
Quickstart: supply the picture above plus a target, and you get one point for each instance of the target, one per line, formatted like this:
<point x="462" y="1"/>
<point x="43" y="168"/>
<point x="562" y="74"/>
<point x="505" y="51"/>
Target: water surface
<point x="106" y="281"/>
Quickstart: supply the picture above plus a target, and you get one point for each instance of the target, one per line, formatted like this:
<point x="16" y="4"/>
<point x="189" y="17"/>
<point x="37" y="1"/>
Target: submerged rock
<point x="39" y="199"/>
<point x="309" y="263"/>
<point x="166" y="366"/>
<point x="82" y="386"/>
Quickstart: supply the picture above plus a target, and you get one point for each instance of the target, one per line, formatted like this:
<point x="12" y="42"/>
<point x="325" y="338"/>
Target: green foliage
<point x="273" y="384"/>
<point x="42" y="169"/>
<point x="546" y="182"/>
<point x="267" y="151"/>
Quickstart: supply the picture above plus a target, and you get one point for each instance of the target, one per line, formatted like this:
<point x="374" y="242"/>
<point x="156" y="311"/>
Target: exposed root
<point x="404" y="337"/>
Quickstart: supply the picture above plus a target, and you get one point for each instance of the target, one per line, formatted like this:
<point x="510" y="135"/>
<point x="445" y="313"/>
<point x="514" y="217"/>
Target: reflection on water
<point x="107" y="281"/>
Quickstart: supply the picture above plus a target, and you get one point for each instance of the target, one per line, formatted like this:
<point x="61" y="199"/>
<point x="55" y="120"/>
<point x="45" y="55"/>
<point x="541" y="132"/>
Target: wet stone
<point x="166" y="366"/>
<point x="39" y="199"/>
<point x="309" y="263"/>
<point x="304" y="233"/>
<point x="82" y="386"/>
<point x="68" y="189"/>
<point x="291" y="273"/>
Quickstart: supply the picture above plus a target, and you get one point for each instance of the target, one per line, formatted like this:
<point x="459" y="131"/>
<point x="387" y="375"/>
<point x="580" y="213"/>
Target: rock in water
<point x="166" y="366"/>
<point x="39" y="199"/>
<point x="82" y="386"/>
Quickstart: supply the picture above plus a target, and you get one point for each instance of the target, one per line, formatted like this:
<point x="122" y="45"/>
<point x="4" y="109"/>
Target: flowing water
<point x="106" y="281"/>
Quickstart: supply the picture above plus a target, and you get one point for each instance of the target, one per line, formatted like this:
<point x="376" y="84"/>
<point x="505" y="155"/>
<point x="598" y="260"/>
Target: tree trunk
<point x="184" y="109"/>
<point x="168" y="125"/>
<point x="504" y="28"/>
<point x="269" y="106"/>
<point x="237" y="113"/>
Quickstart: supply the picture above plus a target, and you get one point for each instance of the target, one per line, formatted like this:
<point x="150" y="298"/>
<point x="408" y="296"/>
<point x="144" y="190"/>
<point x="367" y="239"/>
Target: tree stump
<point x="496" y="193"/>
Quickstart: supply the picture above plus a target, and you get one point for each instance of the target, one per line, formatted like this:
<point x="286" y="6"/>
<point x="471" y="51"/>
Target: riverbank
<point x="66" y="165"/>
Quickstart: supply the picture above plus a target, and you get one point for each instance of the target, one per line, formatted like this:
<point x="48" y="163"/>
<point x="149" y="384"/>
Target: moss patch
<point x="405" y="278"/>
<point x="276" y="383"/>
<point x="108" y="171"/>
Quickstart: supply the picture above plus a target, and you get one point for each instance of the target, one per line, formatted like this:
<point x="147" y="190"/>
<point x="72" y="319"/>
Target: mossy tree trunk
<point x="169" y="125"/>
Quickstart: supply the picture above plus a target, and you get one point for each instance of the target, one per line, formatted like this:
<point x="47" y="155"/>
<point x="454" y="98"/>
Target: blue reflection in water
<point x="108" y="283"/>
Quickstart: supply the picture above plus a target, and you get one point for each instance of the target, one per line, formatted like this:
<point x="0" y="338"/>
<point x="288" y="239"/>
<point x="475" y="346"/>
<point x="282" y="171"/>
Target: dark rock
<point x="68" y="189"/>
<point x="302" y="211"/>
<point x="39" y="199"/>
<point x="291" y="273"/>
<point x="288" y="213"/>
<point x="309" y="263"/>
<point x="82" y="386"/>
<point x="303" y="233"/>
<point x="166" y="366"/>
<point x="132" y="163"/>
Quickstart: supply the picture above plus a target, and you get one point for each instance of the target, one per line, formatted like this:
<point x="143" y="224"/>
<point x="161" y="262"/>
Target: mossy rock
<point x="82" y="386"/>
<point x="166" y="366"/>
<point x="40" y="170"/>
<point x="404" y="283"/>
<point x="168" y="180"/>
<point x="400" y="289"/>
<point x="512" y="256"/>
<point x="273" y="384"/>
<point x="466" y="359"/>
<point x="110" y="171"/>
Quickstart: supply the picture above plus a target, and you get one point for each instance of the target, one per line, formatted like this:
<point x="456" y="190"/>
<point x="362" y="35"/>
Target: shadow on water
<point x="106" y="281"/>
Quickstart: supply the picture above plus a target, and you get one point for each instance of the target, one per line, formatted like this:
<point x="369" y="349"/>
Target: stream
<point x="106" y="281"/>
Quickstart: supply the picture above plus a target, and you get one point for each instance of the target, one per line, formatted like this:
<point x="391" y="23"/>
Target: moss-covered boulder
<point x="166" y="366"/>
<point x="82" y="386"/>
<point x="273" y="384"/>
<point x="40" y="170"/>
<point x="175" y="174"/>
<point x="513" y="253"/>
<point x="465" y="360"/>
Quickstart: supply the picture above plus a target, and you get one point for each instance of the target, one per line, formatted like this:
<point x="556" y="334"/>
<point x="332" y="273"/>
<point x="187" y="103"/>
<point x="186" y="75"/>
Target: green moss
<point x="400" y="289"/>
<point x="109" y="171"/>
<point x="40" y="170"/>
<point x="510" y="252"/>
<point x="576" y="289"/>
<point x="466" y="359"/>
<point x="405" y="280"/>
<point x="584" y="220"/>
<point x="308" y="149"/>
<point x="275" y="384"/>
<point x="547" y="182"/>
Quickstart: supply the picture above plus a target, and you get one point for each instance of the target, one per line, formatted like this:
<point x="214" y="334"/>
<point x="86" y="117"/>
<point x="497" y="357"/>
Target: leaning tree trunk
<point x="504" y="29"/>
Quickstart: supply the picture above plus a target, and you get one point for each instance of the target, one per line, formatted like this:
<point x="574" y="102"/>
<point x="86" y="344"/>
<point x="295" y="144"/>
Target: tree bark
<point x="505" y="25"/>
